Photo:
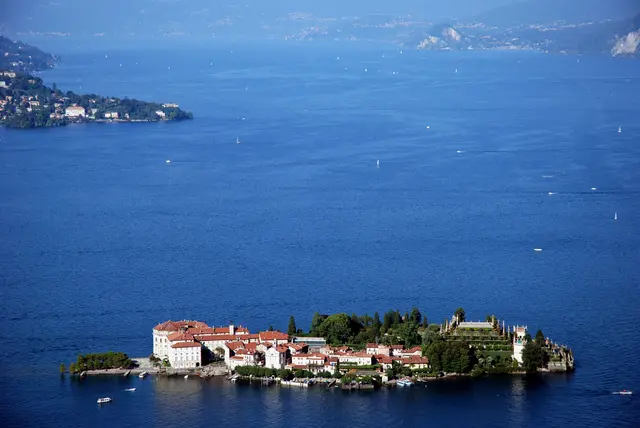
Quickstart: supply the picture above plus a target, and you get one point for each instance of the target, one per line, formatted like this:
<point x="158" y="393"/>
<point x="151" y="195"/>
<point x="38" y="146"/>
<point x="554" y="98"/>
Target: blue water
<point x="101" y="240"/>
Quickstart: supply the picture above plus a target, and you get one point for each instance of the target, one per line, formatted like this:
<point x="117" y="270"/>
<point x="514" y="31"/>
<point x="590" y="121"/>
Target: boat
<point x="104" y="400"/>
<point x="537" y="250"/>
<point x="623" y="392"/>
<point x="619" y="129"/>
<point x="552" y="193"/>
<point x="404" y="382"/>
<point x="378" y="163"/>
<point x="237" y="140"/>
<point x="615" y="216"/>
<point x="168" y="161"/>
<point x="130" y="389"/>
<point x="186" y="376"/>
<point x="143" y="375"/>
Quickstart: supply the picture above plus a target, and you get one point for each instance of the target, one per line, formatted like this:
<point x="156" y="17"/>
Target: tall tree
<point x="533" y="357"/>
<point x="460" y="314"/>
<point x="416" y="316"/>
<point x="292" y="329"/>
<point x="539" y="338"/>
<point x="376" y="325"/>
<point x="386" y="324"/>
<point x="316" y="323"/>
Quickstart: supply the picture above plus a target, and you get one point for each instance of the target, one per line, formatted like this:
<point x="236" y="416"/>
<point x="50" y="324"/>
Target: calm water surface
<point x="101" y="239"/>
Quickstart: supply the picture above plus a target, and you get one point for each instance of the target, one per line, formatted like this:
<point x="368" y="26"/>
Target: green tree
<point x="386" y="323"/>
<point x="63" y="369"/>
<point x="337" y="328"/>
<point x="539" y="338"/>
<point x="533" y="357"/>
<point x="291" y="330"/>
<point x="460" y="314"/>
<point x="416" y="316"/>
<point x="316" y="323"/>
<point x="408" y="333"/>
<point x="270" y="328"/>
<point x="377" y="325"/>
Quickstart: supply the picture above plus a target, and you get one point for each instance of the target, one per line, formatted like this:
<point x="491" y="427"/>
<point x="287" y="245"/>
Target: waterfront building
<point x="185" y="355"/>
<point x="315" y="343"/>
<point x="74" y="111"/>
<point x="276" y="357"/>
<point x="519" y="342"/>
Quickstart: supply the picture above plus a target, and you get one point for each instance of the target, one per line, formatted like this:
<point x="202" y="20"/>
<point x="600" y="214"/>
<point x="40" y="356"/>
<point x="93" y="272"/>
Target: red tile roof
<point x="179" y="336"/>
<point x="273" y="335"/>
<point x="234" y="345"/>
<point x="396" y="346"/>
<point x="297" y="346"/>
<point x="166" y="326"/>
<point x="372" y="345"/>
<point x="186" y="345"/>
<point x="218" y="337"/>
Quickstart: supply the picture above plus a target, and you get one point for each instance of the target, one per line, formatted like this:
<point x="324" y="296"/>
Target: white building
<point x="111" y="115"/>
<point x="160" y="113"/>
<point x="361" y="359"/>
<point x="274" y="337"/>
<point x="160" y="338"/>
<point x="74" y="111"/>
<point x="519" y="342"/>
<point x="276" y="357"/>
<point x="185" y="355"/>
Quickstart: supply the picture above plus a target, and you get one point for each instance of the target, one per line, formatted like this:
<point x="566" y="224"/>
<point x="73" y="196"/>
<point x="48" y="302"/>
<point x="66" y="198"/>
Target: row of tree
<point x="107" y="360"/>
<point x="352" y="329"/>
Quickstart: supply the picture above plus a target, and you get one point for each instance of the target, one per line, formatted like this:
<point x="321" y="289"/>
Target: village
<point x="483" y="347"/>
<point x="25" y="102"/>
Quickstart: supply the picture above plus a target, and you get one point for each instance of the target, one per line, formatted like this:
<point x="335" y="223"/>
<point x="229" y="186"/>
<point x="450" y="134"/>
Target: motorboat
<point x="404" y="382"/>
<point x="624" y="392"/>
<point x="130" y="389"/>
<point x="186" y="376"/>
<point x="104" y="400"/>
<point x="143" y="375"/>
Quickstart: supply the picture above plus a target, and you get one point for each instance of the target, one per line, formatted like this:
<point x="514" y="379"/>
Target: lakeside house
<point x="190" y="344"/>
<point x="74" y="111"/>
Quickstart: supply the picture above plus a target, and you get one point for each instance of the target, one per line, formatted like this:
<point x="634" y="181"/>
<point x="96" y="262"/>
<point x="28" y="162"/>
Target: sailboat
<point x="237" y="140"/>
<point x="619" y="129"/>
<point x="378" y="163"/>
<point x="615" y="216"/>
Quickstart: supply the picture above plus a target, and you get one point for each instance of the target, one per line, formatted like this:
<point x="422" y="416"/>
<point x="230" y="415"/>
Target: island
<point x="350" y="351"/>
<point x="25" y="102"/>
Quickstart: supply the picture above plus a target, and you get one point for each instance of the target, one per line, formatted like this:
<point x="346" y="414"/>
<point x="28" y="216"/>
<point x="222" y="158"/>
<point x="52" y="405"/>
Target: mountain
<point x="568" y="11"/>
<point x="17" y="56"/>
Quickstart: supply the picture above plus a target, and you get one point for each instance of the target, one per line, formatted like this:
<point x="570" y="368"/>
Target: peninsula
<point x="350" y="350"/>
<point x="25" y="102"/>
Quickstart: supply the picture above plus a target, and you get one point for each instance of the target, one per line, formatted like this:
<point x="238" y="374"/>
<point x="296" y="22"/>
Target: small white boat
<point x="168" y="161"/>
<point x="186" y="376"/>
<point x="552" y="193"/>
<point x="237" y="140"/>
<point x="143" y="375"/>
<point x="378" y="163"/>
<point x="615" y="216"/>
<point x="459" y="151"/>
<point x="594" y="188"/>
<point x="404" y="382"/>
<point x="623" y="392"/>
<point x="130" y="389"/>
<point x="537" y="250"/>
<point x="619" y="129"/>
<point x="104" y="400"/>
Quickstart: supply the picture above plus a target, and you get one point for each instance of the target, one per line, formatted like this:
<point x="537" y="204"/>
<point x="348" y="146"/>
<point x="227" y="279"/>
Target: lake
<point x="102" y="239"/>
